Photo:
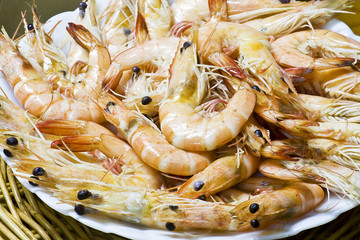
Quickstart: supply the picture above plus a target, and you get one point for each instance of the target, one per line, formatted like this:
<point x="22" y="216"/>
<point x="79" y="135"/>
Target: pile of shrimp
<point x="220" y="115"/>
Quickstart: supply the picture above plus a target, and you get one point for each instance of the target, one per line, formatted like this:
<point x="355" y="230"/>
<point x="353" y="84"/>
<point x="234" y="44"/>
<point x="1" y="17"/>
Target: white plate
<point x="330" y="209"/>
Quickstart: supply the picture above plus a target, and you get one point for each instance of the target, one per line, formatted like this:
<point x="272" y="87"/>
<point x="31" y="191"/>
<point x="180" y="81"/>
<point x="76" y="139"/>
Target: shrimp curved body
<point x="315" y="49"/>
<point x="183" y="125"/>
<point x="149" y="143"/>
<point x="251" y="49"/>
<point x="35" y="93"/>
<point x="221" y="174"/>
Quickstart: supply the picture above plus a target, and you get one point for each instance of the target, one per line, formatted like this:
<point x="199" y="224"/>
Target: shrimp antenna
<point x="111" y="167"/>
<point x="19" y="25"/>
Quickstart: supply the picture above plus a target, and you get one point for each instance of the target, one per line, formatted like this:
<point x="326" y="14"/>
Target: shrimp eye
<point x="136" y="69"/>
<point x="186" y="45"/>
<point x="254" y="223"/>
<point x="173" y="207"/>
<point x="7" y="153"/>
<point x="84" y="194"/>
<point x="146" y="100"/>
<point x="30" y="26"/>
<point x="127" y="31"/>
<point x="82" y="6"/>
<point x="32" y="183"/>
<point x="284" y="1"/>
<point x="63" y="72"/>
<point x="79" y="209"/>
<point x="256" y="88"/>
<point x="109" y="104"/>
<point x="12" y="141"/>
<point x="254" y="207"/>
<point x="202" y="197"/>
<point x="170" y="226"/>
<point x="38" y="171"/>
<point x="198" y="185"/>
<point x="258" y="133"/>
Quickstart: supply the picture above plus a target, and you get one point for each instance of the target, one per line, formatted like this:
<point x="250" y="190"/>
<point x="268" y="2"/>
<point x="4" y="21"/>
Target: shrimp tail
<point x="179" y="28"/>
<point x="218" y="9"/>
<point x="141" y="31"/>
<point x="82" y="36"/>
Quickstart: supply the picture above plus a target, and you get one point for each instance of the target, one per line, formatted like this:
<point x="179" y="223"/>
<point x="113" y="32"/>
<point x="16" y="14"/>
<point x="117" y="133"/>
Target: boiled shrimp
<point x="134" y="168"/>
<point x="237" y="11"/>
<point x="221" y="174"/>
<point x="149" y="143"/>
<point x="317" y="13"/>
<point x="250" y="47"/>
<point x="185" y="127"/>
<point x="316" y="49"/>
<point x="35" y="93"/>
<point x="343" y="153"/>
<point x="167" y="211"/>
<point x="335" y="177"/>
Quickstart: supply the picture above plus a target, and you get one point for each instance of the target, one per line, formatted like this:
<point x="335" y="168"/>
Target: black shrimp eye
<point x="38" y="171"/>
<point x="146" y="100"/>
<point x="30" y="26"/>
<point x="79" y="209"/>
<point x="173" y="207"/>
<point x="32" y="183"/>
<point x="202" y="197"/>
<point x="284" y="1"/>
<point x="256" y="88"/>
<point x="108" y="105"/>
<point x="136" y="69"/>
<point x="82" y="6"/>
<point x="254" y="207"/>
<point x="63" y="72"/>
<point x="12" y="141"/>
<point x="127" y="31"/>
<point x="170" y="226"/>
<point x="84" y="194"/>
<point x="258" y="133"/>
<point x="254" y="223"/>
<point x="198" y="185"/>
<point x="7" y="153"/>
<point x="186" y="45"/>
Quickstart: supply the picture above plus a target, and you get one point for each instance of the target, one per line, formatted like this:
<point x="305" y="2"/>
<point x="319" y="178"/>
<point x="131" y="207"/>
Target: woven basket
<point x="24" y="216"/>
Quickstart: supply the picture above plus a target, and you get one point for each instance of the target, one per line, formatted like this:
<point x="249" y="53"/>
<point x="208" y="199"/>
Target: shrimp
<point x="183" y="125"/>
<point x="41" y="47"/>
<point x="249" y="46"/>
<point x="35" y="93"/>
<point x="342" y="82"/>
<point x="221" y="174"/>
<point x="341" y="131"/>
<point x="336" y="177"/>
<point x="19" y="145"/>
<point x="98" y="62"/>
<point x="343" y="153"/>
<point x="316" y="49"/>
<point x="118" y="23"/>
<point x="316" y="13"/>
<point x="237" y="11"/>
<point x="157" y="17"/>
<point x="116" y="149"/>
<point x="165" y="210"/>
<point x="149" y="143"/>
